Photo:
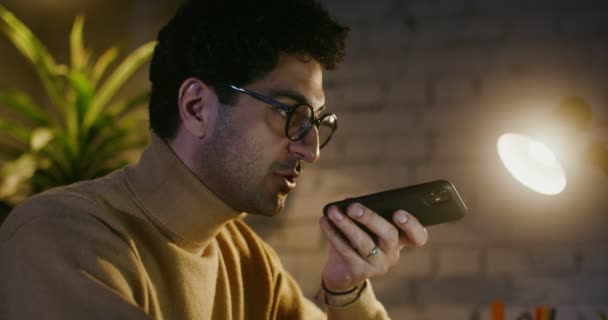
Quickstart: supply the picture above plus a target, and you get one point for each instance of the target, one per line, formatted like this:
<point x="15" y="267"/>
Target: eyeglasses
<point x="300" y="118"/>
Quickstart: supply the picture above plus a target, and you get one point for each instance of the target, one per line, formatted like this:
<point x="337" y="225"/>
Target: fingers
<point x="390" y="240"/>
<point x="359" y="240"/>
<point x="388" y="235"/>
<point x="342" y="246"/>
<point x="350" y="261"/>
<point x="386" y="254"/>
<point x="413" y="232"/>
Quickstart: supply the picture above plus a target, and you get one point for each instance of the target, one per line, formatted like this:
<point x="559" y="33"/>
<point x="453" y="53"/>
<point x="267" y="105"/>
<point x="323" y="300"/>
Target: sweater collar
<point x="175" y="199"/>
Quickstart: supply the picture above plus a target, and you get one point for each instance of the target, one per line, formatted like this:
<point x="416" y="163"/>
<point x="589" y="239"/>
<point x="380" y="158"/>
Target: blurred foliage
<point x="84" y="132"/>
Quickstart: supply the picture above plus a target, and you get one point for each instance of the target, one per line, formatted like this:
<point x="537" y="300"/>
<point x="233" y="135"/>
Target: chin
<point x="278" y="208"/>
<point x="268" y="200"/>
<point x="272" y="209"/>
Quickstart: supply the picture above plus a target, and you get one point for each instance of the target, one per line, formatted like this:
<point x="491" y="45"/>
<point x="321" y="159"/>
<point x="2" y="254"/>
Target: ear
<point x="193" y="108"/>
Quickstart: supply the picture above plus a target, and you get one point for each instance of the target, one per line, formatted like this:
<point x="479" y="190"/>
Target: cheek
<point x="262" y="155"/>
<point x="261" y="140"/>
<point x="260" y="125"/>
<point x="268" y="135"/>
<point x="275" y="122"/>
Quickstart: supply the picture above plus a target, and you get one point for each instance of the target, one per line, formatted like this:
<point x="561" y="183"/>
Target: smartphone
<point x="431" y="203"/>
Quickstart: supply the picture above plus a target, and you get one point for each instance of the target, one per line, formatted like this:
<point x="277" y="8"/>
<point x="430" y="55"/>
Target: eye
<point x="281" y="112"/>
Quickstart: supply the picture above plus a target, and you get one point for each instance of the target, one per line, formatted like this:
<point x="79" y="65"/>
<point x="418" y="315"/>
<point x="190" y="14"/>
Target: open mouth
<point x="288" y="182"/>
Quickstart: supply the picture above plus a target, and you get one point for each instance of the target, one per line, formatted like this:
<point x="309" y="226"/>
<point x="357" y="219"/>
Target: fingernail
<point x="335" y="215"/>
<point x="356" y="211"/>
<point x="401" y="217"/>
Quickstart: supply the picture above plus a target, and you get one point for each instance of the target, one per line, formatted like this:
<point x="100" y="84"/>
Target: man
<point x="237" y="107"/>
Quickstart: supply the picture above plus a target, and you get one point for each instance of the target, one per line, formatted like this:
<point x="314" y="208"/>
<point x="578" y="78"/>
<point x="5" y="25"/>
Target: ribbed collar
<point x="176" y="200"/>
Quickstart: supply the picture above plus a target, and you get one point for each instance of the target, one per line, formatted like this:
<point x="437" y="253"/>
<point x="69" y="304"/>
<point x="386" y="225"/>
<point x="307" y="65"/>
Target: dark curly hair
<point x="235" y="42"/>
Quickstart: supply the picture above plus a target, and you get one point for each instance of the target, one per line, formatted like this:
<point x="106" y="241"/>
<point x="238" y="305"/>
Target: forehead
<point x="297" y="74"/>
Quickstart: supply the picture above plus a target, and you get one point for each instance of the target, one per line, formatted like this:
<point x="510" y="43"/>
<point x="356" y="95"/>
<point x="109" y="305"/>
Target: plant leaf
<point x="102" y="65"/>
<point x="91" y="135"/>
<point x="16" y="131"/>
<point x="83" y="91"/>
<point x="24" y="40"/>
<point x="77" y="51"/>
<point x="40" y="138"/>
<point x="16" y="173"/>
<point x="59" y="163"/>
<point x="124" y="107"/>
<point x="117" y="79"/>
<point x="23" y="103"/>
<point x="96" y="148"/>
<point x="81" y="96"/>
<point x="31" y="48"/>
<point x="43" y="180"/>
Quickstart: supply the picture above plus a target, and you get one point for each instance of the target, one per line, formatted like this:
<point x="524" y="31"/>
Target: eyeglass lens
<point x="326" y="129"/>
<point x="301" y="121"/>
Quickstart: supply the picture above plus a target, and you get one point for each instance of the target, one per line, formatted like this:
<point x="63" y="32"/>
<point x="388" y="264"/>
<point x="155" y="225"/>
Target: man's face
<point x="248" y="158"/>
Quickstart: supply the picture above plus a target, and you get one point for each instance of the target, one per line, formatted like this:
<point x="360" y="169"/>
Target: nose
<point x="307" y="148"/>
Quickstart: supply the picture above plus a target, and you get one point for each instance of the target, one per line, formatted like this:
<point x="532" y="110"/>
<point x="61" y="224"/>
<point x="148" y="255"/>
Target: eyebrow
<point x="294" y="95"/>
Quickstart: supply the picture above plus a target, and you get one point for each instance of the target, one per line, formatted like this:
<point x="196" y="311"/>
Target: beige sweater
<point x="149" y="241"/>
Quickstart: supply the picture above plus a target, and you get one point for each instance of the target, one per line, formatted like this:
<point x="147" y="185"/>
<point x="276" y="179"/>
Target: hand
<point x="349" y="263"/>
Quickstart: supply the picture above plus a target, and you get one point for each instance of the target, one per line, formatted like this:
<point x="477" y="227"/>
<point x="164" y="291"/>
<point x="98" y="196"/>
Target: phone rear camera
<point x="437" y="197"/>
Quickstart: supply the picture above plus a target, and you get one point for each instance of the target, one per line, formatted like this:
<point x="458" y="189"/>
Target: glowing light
<point x="532" y="163"/>
<point x="541" y="153"/>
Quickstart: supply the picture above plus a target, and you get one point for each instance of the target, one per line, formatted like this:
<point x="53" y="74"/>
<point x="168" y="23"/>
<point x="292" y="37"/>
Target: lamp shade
<point x="532" y="163"/>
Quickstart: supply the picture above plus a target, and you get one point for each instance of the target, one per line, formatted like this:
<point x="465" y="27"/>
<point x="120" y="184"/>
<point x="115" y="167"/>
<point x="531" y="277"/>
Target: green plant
<point x="84" y="132"/>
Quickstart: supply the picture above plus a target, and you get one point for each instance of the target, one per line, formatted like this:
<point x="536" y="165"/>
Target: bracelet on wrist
<point x="357" y="295"/>
<point x="337" y="293"/>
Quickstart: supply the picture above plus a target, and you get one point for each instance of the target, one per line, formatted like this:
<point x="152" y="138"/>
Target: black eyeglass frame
<point x="290" y="111"/>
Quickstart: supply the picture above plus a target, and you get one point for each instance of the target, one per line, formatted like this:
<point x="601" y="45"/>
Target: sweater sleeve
<point x="293" y="304"/>
<point x="61" y="264"/>
<point x="366" y="307"/>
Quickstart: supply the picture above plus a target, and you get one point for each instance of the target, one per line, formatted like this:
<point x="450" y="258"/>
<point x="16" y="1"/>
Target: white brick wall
<point x="594" y="260"/>
<point x="564" y="290"/>
<point x="459" y="262"/>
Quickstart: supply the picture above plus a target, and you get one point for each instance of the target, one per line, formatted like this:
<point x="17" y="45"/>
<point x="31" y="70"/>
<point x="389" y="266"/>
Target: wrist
<point x="337" y="293"/>
<point x="342" y="298"/>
